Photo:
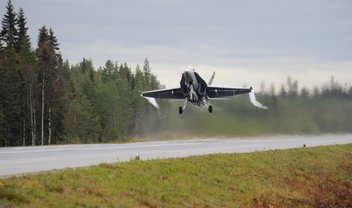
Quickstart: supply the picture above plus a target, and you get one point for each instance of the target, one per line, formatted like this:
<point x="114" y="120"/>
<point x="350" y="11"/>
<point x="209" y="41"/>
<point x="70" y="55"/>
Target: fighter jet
<point x="193" y="89"/>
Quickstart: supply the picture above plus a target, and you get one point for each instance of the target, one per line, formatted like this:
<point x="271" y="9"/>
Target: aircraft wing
<point x="175" y="93"/>
<point x="215" y="92"/>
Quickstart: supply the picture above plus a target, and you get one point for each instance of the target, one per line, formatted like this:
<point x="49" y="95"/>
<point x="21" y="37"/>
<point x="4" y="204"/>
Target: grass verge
<point x="305" y="177"/>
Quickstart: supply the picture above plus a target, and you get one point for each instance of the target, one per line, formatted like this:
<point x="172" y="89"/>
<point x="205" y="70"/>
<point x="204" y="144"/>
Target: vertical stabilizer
<point x="211" y="78"/>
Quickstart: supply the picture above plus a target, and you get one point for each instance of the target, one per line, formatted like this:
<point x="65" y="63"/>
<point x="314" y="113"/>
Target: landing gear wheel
<point x="180" y="110"/>
<point x="210" y="109"/>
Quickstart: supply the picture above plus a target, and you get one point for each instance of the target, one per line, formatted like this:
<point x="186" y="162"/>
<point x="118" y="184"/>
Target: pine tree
<point x="2" y="120"/>
<point x="23" y="38"/>
<point x="13" y="87"/>
<point x="9" y="33"/>
<point x="58" y="99"/>
<point x="13" y="94"/>
<point x="43" y="55"/>
<point x="1" y="47"/>
<point x="87" y="67"/>
<point x="138" y="102"/>
<point x="51" y="82"/>
<point x="53" y="40"/>
<point x="28" y="67"/>
<point x="154" y="83"/>
<point x="43" y="37"/>
<point x="2" y="116"/>
<point x="147" y="73"/>
<point x="108" y="109"/>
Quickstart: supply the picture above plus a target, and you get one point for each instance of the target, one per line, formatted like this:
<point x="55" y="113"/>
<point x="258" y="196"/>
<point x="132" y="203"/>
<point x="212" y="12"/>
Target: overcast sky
<point x="245" y="41"/>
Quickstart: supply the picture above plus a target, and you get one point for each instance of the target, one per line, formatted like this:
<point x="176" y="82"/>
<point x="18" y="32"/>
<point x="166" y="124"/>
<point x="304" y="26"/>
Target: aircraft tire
<point x="210" y="109"/>
<point x="180" y="110"/>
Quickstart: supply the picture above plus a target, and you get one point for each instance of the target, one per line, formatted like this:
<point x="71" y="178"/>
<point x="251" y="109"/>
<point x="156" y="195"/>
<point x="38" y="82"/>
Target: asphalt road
<point x="21" y="160"/>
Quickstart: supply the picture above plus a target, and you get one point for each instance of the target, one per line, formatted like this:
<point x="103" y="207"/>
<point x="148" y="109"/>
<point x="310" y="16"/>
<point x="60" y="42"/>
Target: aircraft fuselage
<point x="193" y="87"/>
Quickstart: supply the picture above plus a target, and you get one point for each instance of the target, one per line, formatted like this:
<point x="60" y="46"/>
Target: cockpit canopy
<point x="190" y="69"/>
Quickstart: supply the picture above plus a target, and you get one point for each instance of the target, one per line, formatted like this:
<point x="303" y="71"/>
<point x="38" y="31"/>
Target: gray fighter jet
<point x="195" y="90"/>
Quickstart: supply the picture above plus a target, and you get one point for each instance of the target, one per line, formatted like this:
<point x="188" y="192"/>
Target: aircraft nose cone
<point x="190" y="69"/>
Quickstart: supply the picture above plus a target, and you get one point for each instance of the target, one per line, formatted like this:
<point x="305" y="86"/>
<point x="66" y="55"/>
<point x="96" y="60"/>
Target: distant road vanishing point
<point x="22" y="160"/>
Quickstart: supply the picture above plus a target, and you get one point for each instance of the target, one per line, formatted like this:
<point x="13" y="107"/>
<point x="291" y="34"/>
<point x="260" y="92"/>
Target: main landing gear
<point x="180" y="110"/>
<point x="210" y="109"/>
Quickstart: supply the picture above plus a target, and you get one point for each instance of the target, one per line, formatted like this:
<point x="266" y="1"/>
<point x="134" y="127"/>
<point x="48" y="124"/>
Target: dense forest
<point x="45" y="100"/>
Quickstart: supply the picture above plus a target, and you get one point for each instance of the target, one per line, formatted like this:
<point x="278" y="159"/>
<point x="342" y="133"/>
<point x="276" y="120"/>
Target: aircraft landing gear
<point x="210" y="109"/>
<point x="183" y="108"/>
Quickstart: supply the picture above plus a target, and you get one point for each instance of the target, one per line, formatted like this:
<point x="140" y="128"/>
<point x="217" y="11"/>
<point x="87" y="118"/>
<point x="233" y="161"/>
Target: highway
<point x="22" y="160"/>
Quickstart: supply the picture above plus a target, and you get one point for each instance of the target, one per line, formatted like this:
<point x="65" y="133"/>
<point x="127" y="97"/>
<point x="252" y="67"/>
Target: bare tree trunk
<point x="34" y="137"/>
<point x="32" y="117"/>
<point x="31" y="109"/>
<point x="24" y="121"/>
<point x="42" y="133"/>
<point x="74" y="122"/>
<point x="49" y="138"/>
<point x="24" y="132"/>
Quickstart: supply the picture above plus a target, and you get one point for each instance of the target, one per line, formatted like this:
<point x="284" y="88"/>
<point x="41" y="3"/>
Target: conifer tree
<point x="51" y="75"/>
<point x="13" y="94"/>
<point x="9" y="34"/>
<point x="27" y="61"/>
<point x="138" y="102"/>
<point x="23" y="38"/>
<point x="147" y="73"/>
<point x="43" y="54"/>
<point x="2" y="116"/>
<point x="53" y="40"/>
<point x="13" y="87"/>
<point x="1" y="47"/>
<point x="2" y="120"/>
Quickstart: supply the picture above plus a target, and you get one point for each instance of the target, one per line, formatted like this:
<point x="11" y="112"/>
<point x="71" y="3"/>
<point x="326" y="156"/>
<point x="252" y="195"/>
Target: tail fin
<point x="211" y="79"/>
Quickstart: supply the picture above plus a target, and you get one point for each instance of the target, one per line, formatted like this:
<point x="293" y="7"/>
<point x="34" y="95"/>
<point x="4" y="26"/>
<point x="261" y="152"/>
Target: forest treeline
<point x="292" y="110"/>
<point x="45" y="100"/>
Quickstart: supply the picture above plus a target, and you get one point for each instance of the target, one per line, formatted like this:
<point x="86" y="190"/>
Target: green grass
<point x="306" y="177"/>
